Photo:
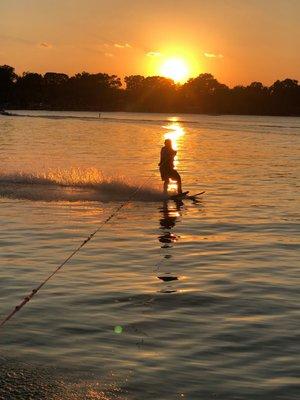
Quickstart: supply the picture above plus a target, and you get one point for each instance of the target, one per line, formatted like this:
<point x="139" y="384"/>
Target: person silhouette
<point x="166" y="166"/>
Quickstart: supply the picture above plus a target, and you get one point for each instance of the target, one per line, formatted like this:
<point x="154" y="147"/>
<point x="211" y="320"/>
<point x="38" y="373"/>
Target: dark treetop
<point x="103" y="92"/>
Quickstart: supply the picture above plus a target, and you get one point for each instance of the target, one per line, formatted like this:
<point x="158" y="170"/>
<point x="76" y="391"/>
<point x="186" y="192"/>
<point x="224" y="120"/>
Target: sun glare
<point x="175" y="132"/>
<point x="176" y="69"/>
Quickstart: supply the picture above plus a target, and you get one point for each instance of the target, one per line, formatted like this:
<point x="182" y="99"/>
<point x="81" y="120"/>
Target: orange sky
<point x="238" y="41"/>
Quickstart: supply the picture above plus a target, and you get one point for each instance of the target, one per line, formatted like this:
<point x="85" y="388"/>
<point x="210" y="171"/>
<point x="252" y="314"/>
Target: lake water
<point x="168" y="301"/>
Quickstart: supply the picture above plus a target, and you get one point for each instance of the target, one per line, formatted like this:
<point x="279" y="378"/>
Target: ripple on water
<point x="169" y="301"/>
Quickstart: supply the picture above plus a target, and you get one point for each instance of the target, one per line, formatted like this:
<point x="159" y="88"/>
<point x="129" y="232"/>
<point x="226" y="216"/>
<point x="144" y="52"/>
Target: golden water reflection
<point x="175" y="132"/>
<point x="170" y="213"/>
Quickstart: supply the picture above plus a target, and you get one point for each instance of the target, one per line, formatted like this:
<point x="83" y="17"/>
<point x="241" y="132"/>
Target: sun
<point x="176" y="69"/>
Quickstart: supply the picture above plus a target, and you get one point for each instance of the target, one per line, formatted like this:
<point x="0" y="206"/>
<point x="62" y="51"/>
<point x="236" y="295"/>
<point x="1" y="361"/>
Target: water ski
<point x="185" y="195"/>
<point x="179" y="196"/>
<point x="194" y="196"/>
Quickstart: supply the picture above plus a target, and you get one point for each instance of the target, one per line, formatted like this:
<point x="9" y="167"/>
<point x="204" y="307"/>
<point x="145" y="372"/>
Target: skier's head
<point x="168" y="143"/>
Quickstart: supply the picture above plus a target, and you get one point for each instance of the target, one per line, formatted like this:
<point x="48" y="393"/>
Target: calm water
<point x="192" y="301"/>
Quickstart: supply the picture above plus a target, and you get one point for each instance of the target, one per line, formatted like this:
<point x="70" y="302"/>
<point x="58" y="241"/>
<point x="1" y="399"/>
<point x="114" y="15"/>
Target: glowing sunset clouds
<point x="237" y="41"/>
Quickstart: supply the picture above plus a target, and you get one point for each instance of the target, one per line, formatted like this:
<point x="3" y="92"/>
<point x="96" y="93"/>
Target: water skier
<point x="166" y="166"/>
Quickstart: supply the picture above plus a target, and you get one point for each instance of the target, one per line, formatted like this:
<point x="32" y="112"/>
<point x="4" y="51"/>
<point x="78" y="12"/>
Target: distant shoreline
<point x="9" y="112"/>
<point x="101" y="92"/>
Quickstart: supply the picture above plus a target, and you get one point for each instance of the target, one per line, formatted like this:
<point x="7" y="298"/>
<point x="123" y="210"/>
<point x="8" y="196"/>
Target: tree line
<point x="104" y="92"/>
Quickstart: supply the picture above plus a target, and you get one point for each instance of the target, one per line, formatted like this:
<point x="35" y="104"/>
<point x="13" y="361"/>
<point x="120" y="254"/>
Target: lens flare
<point x="118" y="329"/>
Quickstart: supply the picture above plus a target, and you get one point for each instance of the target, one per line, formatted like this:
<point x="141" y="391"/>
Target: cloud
<point x="16" y="39"/>
<point x="109" y="55"/>
<point x="122" y="46"/>
<point x="46" y="45"/>
<point x="213" y="55"/>
<point x="153" y="54"/>
<point x="26" y="41"/>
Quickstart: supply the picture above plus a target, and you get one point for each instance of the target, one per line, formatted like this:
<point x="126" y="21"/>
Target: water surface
<point x="168" y="301"/>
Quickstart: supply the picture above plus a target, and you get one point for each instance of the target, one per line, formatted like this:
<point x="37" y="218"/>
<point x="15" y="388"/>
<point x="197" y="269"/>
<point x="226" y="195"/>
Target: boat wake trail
<point x="71" y="185"/>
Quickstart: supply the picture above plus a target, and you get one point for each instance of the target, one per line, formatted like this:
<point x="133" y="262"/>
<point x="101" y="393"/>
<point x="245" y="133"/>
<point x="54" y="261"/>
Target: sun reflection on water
<point x="175" y="133"/>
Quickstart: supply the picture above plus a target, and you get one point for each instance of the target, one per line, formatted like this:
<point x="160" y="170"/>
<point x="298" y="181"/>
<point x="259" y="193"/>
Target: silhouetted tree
<point x="285" y="97"/>
<point x="54" y="84"/>
<point x="93" y="91"/>
<point x="257" y="98"/>
<point x="151" y="94"/>
<point x="7" y="80"/>
<point x="203" y="94"/>
<point x="55" y="78"/>
<point x="134" y="83"/>
<point x="30" y="90"/>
